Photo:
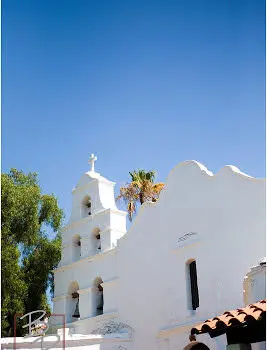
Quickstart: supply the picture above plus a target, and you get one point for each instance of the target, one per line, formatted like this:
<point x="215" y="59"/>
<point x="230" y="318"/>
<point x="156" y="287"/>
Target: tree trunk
<point x="141" y="198"/>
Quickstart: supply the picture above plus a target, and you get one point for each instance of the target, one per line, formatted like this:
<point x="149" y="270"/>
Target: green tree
<point x="142" y="188"/>
<point x="28" y="254"/>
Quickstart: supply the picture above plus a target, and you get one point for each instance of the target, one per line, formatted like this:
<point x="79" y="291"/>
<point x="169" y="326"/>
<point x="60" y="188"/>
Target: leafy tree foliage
<point x="28" y="254"/>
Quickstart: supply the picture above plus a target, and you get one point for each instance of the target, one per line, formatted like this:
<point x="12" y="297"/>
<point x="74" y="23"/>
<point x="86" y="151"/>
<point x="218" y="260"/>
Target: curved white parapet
<point x="193" y="166"/>
<point x="190" y="173"/>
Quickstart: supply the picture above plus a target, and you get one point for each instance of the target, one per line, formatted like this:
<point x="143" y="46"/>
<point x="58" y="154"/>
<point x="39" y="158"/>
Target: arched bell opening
<point x="97" y="297"/>
<point x="96" y="240"/>
<point x="76" y="248"/>
<point x="72" y="308"/>
<point x="86" y="206"/>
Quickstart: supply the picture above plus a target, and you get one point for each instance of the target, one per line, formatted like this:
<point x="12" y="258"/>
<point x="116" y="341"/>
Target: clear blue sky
<point x="143" y="84"/>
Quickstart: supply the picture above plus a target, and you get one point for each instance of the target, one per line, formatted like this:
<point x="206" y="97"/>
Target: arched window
<point x="72" y="305"/>
<point x="96" y="240"/>
<point x="192" y="284"/>
<point x="86" y="206"/>
<point x="76" y="248"/>
<point x="97" y="297"/>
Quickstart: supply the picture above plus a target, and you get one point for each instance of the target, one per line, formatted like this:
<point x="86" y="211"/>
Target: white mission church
<point x="183" y="260"/>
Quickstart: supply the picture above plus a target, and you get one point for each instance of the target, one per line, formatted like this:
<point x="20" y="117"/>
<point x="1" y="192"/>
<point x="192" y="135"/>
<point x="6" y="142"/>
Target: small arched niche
<point x="97" y="297"/>
<point x="76" y="248"/>
<point x="96" y="240"/>
<point x="86" y="206"/>
<point x="72" y="306"/>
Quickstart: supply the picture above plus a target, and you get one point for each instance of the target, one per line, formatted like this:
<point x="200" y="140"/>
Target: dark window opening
<point x="194" y="285"/>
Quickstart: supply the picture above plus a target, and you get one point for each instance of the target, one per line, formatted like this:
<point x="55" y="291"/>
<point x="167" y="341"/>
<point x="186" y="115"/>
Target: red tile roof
<point x="238" y="317"/>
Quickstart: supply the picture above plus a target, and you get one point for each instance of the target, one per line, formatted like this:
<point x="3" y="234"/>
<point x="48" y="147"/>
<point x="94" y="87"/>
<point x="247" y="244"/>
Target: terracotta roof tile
<point x="238" y="317"/>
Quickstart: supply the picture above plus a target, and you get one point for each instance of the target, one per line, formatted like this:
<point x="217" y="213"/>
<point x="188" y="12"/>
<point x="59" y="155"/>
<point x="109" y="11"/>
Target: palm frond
<point x="141" y="189"/>
<point x="158" y="187"/>
<point x="129" y="195"/>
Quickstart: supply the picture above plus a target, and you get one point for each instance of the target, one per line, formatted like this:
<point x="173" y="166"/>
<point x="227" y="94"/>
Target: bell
<point x="76" y="312"/>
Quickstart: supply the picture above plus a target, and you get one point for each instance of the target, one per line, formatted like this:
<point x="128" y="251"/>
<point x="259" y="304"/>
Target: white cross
<point x="91" y="161"/>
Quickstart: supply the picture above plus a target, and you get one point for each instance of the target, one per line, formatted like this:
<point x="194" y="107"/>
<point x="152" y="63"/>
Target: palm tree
<point x="141" y="189"/>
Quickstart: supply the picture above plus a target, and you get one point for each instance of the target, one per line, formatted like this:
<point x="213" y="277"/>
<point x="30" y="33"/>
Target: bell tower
<point x="95" y="223"/>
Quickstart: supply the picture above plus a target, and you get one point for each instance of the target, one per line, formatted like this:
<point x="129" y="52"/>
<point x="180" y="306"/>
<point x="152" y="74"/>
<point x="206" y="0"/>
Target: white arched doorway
<point x="72" y="305"/>
<point x="97" y="297"/>
<point x="76" y="248"/>
<point x="96" y="241"/>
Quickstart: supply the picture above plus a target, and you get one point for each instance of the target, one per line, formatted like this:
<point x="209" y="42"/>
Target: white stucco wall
<point x="227" y="212"/>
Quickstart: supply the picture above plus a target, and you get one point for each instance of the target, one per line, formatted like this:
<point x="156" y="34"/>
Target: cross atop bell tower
<point x="91" y="161"/>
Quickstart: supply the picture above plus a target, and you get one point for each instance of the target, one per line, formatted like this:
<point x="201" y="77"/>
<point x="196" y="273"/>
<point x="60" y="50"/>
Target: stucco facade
<point x="217" y="220"/>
